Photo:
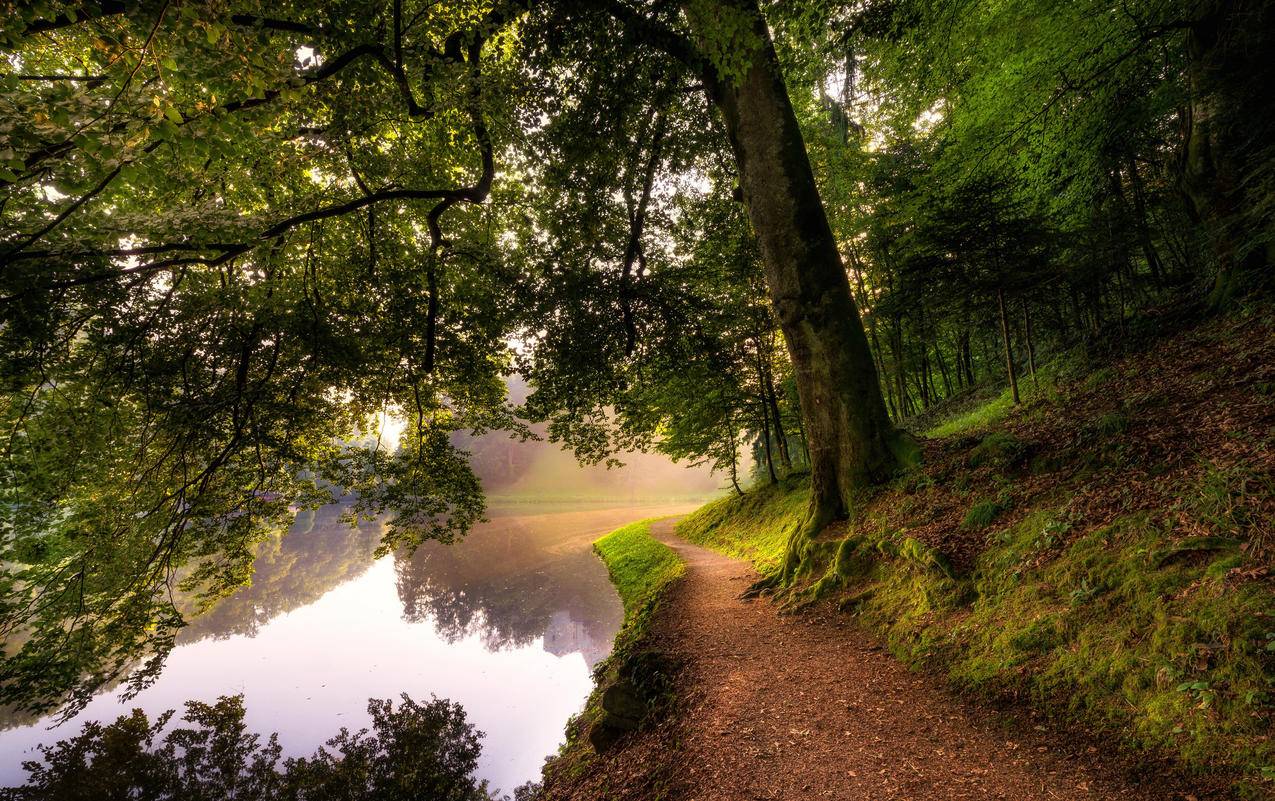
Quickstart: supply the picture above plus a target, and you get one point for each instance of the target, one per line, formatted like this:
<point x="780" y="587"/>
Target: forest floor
<point x="810" y="706"/>
<point x="1072" y="598"/>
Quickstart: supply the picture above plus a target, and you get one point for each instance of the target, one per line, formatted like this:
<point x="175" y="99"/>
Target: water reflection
<point x="320" y="551"/>
<point x="508" y="623"/>
<point x="519" y="578"/>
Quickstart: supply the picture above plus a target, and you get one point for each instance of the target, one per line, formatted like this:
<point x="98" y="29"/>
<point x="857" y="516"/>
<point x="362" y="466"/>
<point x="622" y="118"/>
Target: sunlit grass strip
<point x="641" y="567"/>
<point x="754" y="527"/>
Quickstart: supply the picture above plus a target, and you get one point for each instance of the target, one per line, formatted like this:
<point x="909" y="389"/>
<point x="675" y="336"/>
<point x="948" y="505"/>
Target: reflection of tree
<point x="511" y="581"/>
<point x="319" y="552"/>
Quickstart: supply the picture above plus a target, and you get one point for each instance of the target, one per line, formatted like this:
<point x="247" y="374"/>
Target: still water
<point x="509" y="623"/>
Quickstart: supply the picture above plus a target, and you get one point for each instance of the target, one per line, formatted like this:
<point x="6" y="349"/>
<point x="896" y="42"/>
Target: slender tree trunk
<point x="1154" y="262"/>
<point x="733" y="445"/>
<point x="765" y="438"/>
<point x="781" y="439"/>
<point x="923" y="376"/>
<point x="1077" y="310"/>
<point x="852" y="442"/>
<point x="801" y="438"/>
<point x="938" y="357"/>
<point x="877" y="355"/>
<point x="1027" y="337"/>
<point x="900" y="381"/>
<point x="1009" y="353"/>
<point x="969" y="357"/>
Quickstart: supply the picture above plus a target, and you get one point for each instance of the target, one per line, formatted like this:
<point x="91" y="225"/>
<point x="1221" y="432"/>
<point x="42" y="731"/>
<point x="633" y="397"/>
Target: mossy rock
<point x="926" y="557"/>
<point x="997" y="449"/>
<point x="854" y="558"/>
<point x="637" y="687"/>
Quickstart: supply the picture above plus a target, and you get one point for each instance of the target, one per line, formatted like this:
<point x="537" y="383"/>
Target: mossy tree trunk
<point x="851" y="441"/>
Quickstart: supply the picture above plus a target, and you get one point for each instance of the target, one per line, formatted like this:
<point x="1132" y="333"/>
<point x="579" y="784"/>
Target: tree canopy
<point x="252" y="255"/>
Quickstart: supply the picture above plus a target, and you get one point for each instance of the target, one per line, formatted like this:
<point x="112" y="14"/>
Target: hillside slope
<point x="1102" y="553"/>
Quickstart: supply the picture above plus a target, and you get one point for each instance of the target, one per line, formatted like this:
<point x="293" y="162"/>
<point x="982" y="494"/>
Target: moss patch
<point x="754" y="527"/>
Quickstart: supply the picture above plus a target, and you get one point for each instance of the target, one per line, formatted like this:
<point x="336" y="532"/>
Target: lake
<point x="508" y="623"/>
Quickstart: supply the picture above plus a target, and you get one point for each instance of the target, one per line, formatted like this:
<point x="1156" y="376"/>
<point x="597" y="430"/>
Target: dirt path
<point x="808" y="707"/>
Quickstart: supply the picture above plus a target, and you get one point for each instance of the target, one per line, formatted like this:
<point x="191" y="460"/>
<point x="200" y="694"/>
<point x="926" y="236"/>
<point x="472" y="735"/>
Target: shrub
<point x="415" y="751"/>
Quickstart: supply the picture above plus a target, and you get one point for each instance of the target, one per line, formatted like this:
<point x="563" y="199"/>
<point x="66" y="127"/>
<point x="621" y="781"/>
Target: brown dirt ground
<point x="809" y="707"/>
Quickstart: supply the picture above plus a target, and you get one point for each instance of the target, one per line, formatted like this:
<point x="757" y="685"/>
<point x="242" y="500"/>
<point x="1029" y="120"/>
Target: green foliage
<point x="982" y="513"/>
<point x="198" y="332"/>
<point x="413" y="751"/>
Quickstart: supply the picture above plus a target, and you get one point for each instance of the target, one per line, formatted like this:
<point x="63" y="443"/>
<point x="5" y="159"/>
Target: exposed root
<point x="761" y="586"/>
<point x="818" y="516"/>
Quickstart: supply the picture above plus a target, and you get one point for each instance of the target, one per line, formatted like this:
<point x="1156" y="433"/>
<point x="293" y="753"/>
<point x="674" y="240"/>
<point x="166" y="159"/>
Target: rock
<point x="622" y="711"/>
<point x="623" y="705"/>
<point x="604" y="737"/>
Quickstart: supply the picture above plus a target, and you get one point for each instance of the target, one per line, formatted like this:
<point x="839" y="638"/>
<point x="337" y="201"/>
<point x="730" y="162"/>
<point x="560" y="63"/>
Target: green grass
<point x="753" y="527"/>
<point x="993" y="411"/>
<point x="982" y="514"/>
<point x="641" y="567"/>
<point x="1128" y="629"/>
<point x="980" y="417"/>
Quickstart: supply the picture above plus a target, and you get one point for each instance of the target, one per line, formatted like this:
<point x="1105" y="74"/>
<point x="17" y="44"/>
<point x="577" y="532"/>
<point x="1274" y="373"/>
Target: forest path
<point x="808" y="707"/>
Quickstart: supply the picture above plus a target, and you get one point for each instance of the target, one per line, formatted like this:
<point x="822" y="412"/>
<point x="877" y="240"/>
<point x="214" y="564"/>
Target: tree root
<point x="761" y="586"/>
<point x="817" y="516"/>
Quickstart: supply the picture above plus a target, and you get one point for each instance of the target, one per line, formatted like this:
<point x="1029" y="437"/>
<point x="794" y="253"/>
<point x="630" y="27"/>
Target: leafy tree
<point x="224" y="256"/>
<point x="236" y="236"/>
<point x="412" y="752"/>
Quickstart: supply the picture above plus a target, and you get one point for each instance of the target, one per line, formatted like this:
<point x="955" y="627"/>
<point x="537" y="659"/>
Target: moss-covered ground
<point x="641" y="568"/>
<point x="1103" y="551"/>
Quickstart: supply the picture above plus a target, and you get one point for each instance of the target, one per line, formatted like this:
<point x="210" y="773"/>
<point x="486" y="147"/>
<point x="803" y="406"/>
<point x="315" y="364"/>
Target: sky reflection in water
<point x="508" y="623"/>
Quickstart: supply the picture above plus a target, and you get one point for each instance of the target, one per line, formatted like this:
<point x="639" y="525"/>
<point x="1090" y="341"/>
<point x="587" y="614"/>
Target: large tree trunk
<point x="852" y="443"/>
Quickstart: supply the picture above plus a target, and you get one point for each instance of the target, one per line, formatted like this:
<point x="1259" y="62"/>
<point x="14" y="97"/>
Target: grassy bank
<point x="1102" y="552"/>
<point x="631" y="682"/>
<point x="641" y="568"/>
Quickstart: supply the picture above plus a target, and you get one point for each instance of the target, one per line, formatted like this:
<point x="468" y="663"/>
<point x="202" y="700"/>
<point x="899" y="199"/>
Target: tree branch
<point x="652" y="32"/>
<point x="104" y="8"/>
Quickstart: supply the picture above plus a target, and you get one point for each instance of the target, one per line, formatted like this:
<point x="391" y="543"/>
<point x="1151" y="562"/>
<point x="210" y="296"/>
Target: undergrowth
<point x="1106" y="575"/>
